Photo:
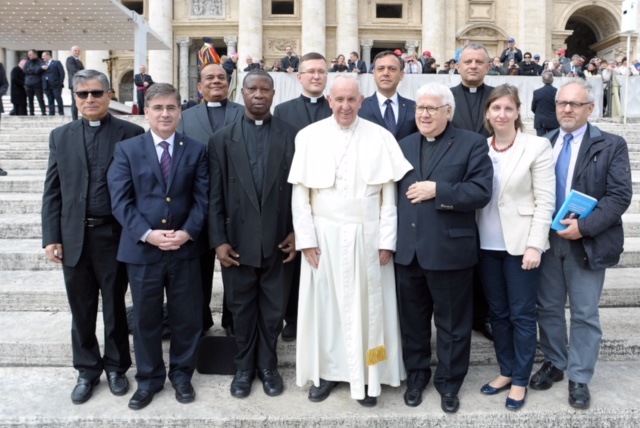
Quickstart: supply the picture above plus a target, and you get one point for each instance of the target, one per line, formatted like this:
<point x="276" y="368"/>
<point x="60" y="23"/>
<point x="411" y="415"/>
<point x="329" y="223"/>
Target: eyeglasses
<point x="314" y="72"/>
<point x="431" y="110"/>
<point x="574" y="104"/>
<point x="160" y="109"/>
<point x="83" y="95"/>
<point x="527" y="56"/>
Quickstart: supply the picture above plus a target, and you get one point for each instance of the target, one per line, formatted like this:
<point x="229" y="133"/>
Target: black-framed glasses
<point x="83" y="95"/>
<point x="574" y="104"/>
<point x="429" y="109"/>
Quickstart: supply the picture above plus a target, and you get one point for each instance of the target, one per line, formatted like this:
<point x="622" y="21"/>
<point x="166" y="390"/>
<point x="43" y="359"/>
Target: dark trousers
<point x="37" y="91"/>
<point x="19" y="109"/>
<point x="257" y="298"/>
<point x="54" y="94"/>
<point x="291" y="314"/>
<point x="480" y="305"/>
<point x="207" y="265"/>
<point x="541" y="132"/>
<point x="447" y="296"/>
<point x="180" y="279"/>
<point x="511" y="292"/>
<point x="140" y="98"/>
<point x="74" y="107"/>
<point x="98" y="273"/>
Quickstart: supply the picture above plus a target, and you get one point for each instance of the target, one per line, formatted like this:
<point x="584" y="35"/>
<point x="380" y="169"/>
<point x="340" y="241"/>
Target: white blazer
<point x="527" y="194"/>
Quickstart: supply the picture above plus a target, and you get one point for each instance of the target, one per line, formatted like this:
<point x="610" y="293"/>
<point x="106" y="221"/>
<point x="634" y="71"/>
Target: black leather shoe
<point x="184" y="392"/>
<point x="83" y="390"/>
<point x="289" y="332"/>
<point x="490" y="390"/>
<point x="449" y="402"/>
<point x="3" y="172"/>
<point x="142" y="398"/>
<point x="413" y="397"/>
<point x="416" y="383"/>
<point x="118" y="383"/>
<point x="368" y="401"/>
<point x="320" y="393"/>
<point x="271" y="381"/>
<point x="485" y="329"/>
<point x="543" y="379"/>
<point x="579" y="396"/>
<point x="241" y="384"/>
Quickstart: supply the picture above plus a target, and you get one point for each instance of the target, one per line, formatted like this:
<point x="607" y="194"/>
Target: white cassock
<point x="344" y="202"/>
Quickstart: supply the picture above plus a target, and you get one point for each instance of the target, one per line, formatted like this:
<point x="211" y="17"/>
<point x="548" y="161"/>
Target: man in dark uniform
<point x="74" y="64"/>
<point x="251" y="228"/>
<point x="300" y="112"/>
<point x="79" y="232"/>
<point x="142" y="81"/>
<point x="53" y="82"/>
<point x="471" y="96"/>
<point x="543" y="106"/>
<point x="200" y="123"/>
<point x="33" y="81"/>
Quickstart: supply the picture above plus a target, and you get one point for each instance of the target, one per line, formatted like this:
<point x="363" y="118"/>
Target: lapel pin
<point x="181" y="143"/>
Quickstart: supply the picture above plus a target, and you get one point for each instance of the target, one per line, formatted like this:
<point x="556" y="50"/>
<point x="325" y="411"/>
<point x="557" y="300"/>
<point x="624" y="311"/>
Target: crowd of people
<point x="354" y="220"/>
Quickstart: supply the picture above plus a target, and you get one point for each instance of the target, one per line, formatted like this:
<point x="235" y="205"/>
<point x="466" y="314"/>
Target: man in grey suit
<point x="80" y="232"/>
<point x="386" y="107"/>
<point x="200" y="123"/>
<point x="471" y="96"/>
<point x="74" y="64"/>
<point x="301" y="112"/>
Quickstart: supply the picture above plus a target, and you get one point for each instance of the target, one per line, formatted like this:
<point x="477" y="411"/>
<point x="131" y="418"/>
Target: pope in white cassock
<point x="344" y="216"/>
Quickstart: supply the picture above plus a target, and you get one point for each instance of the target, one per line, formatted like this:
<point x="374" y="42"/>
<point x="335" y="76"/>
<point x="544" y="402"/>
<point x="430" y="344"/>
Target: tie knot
<point x="164" y="145"/>
<point x="568" y="137"/>
<point x="388" y="102"/>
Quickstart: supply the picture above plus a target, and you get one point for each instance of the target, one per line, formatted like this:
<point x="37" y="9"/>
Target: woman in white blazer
<point x="514" y="229"/>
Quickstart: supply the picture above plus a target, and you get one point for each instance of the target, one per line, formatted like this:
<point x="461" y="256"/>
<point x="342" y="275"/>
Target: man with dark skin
<point x="251" y="228"/>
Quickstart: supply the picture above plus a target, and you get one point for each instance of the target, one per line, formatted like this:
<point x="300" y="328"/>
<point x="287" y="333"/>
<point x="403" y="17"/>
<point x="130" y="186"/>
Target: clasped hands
<point x="168" y="240"/>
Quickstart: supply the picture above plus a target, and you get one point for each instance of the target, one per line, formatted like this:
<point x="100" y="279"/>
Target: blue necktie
<point x="562" y="170"/>
<point x="390" y="117"/>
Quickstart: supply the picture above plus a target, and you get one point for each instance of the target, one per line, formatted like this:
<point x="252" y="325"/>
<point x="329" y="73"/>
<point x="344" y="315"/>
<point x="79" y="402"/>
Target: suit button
<point x="413" y="225"/>
<point x="164" y="221"/>
<point x="168" y="199"/>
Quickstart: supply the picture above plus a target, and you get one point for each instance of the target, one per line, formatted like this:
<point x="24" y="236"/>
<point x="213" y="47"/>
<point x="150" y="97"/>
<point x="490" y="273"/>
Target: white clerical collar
<point x="94" y="123"/>
<point x="258" y="122"/>
<point x="473" y="90"/>
<point x="431" y="140"/>
<point x="210" y="104"/>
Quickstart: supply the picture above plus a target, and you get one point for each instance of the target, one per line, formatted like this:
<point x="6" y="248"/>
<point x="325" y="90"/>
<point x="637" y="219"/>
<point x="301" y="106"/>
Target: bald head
<point x="345" y="100"/>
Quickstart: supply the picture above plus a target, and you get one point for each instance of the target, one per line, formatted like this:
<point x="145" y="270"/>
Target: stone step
<point x="12" y="165"/>
<point x="44" y="339"/>
<point x="27" y="254"/>
<point x="25" y="155"/>
<point x="614" y="403"/>
<point x="22" y="181"/>
<point x="32" y="291"/>
<point x="20" y="203"/>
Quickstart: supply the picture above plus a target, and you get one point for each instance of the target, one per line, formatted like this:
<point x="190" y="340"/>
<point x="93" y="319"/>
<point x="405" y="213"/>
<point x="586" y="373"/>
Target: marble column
<point x="366" y="46"/>
<point x="93" y="61"/>
<point x="250" y="29"/>
<point x="313" y="27"/>
<point x="411" y="46"/>
<point x="433" y="28"/>
<point x="347" y="29"/>
<point x="183" y="43"/>
<point x="160" y="65"/>
<point x="534" y="38"/>
<point x="232" y="44"/>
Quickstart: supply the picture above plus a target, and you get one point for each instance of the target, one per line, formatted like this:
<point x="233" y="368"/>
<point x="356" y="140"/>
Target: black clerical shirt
<point x="256" y="140"/>
<point x="217" y="115"/>
<point x="96" y="144"/>
<point x="473" y="96"/>
<point x="427" y="149"/>
<point x="314" y="109"/>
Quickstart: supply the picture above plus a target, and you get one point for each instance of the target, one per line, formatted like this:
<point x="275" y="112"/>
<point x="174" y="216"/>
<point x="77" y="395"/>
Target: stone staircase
<point x="35" y="349"/>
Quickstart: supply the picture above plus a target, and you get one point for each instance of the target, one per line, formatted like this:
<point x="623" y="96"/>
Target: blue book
<point x="577" y="205"/>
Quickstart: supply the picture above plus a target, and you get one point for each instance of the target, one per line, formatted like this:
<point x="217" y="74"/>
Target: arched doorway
<point x="125" y="89"/>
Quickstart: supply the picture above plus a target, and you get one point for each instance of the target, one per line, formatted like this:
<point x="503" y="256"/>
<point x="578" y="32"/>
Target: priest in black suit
<point x="251" y="228"/>
<point x="300" y="112"/>
<point x="437" y="244"/>
<point x="74" y="64"/>
<point x="200" y="123"/>
<point x="386" y="107"/>
<point x="543" y="106"/>
<point x="142" y="81"/>
<point x="79" y="232"/>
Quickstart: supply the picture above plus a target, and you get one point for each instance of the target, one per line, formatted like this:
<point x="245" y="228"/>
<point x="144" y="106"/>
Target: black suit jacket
<point x="544" y="107"/>
<point x="462" y="116"/>
<point x="53" y="77"/>
<point x="138" y="80"/>
<point x="406" y="124"/>
<point x="360" y="65"/>
<point x="287" y="62"/>
<point x="73" y="66"/>
<point x="66" y="184"/>
<point x="18" y="92"/>
<point x="195" y="121"/>
<point x="295" y="113"/>
<point x="442" y="232"/>
<point x="141" y="200"/>
<point x="253" y="229"/>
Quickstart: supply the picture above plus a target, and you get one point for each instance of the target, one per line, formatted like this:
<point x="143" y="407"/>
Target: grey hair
<point x="348" y="77"/>
<point x="582" y="83"/>
<point x="476" y="47"/>
<point x="83" y="75"/>
<point x="161" y="90"/>
<point x="438" y="90"/>
<point x="547" y="77"/>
